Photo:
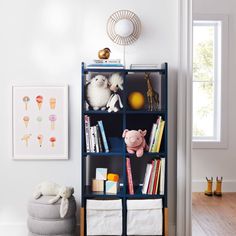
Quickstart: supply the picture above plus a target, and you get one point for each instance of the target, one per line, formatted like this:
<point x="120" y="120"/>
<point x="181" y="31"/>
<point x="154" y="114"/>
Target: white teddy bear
<point x="52" y="189"/>
<point x="98" y="92"/>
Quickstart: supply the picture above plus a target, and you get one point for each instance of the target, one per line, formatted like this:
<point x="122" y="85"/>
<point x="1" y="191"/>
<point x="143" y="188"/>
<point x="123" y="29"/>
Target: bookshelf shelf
<point x="114" y="124"/>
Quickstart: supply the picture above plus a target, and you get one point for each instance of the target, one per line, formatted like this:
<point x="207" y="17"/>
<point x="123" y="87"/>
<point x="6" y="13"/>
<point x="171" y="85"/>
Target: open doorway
<point x="213" y="148"/>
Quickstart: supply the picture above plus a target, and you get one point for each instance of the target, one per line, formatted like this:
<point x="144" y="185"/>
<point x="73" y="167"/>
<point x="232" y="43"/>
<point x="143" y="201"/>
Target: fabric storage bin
<point x="144" y="217"/>
<point x="104" y="217"/>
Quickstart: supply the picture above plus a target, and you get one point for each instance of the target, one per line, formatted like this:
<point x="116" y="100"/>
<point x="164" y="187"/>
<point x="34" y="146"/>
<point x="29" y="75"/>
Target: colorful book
<point x="162" y="125"/>
<point x="162" y="177"/>
<point x="104" y="139"/>
<point x="92" y="137"/>
<point x="151" y="180"/>
<point x="87" y="132"/>
<point x="129" y="176"/>
<point x="154" y="146"/>
<point x="152" y="136"/>
<point x="146" y="178"/>
<point x="99" y="138"/>
<point x="157" y="177"/>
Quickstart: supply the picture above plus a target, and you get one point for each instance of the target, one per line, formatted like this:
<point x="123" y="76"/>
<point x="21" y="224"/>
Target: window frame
<point x="220" y="140"/>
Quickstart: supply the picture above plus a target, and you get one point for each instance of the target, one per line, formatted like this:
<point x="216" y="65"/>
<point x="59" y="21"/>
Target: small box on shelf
<point x="112" y="187"/>
<point x="97" y="185"/>
<point x="101" y="173"/>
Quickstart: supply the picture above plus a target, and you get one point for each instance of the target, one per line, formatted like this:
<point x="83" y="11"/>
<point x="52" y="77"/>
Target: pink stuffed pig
<point x="135" y="141"/>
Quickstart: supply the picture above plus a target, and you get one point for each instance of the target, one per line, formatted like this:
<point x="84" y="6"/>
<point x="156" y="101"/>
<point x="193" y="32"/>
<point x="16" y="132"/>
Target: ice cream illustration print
<point x="52" y="103"/>
<point x="26" y="121"/>
<point x="40" y="139"/>
<point x="26" y="138"/>
<point x="26" y="100"/>
<point x="53" y="119"/>
<point x="39" y="100"/>
<point x="53" y="141"/>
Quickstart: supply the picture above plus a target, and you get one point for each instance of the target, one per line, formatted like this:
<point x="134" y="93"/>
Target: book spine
<point x="162" y="177"/>
<point x="154" y="126"/>
<point x="104" y="139"/>
<point x="99" y="138"/>
<point x="87" y="132"/>
<point x="155" y="187"/>
<point x="160" y="136"/>
<point x="146" y="178"/>
<point x="129" y="176"/>
<point x="153" y="177"/>
<point x="93" y="147"/>
<point x="154" y="146"/>
<point x="96" y="139"/>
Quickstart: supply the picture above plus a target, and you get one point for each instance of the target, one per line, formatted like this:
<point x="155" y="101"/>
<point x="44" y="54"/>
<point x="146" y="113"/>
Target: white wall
<point x="45" y="41"/>
<point x="222" y="162"/>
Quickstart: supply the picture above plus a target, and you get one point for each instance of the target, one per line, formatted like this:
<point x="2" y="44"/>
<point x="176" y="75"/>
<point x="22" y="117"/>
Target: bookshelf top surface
<point x="124" y="70"/>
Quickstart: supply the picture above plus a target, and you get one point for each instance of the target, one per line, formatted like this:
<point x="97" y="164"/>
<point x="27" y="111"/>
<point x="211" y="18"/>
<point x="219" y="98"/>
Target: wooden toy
<point x="112" y="187"/>
<point x="101" y="173"/>
<point x="113" y="177"/>
<point x="97" y="185"/>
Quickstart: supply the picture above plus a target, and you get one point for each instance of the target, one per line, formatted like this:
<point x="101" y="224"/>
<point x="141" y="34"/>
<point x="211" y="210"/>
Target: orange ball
<point x="136" y="100"/>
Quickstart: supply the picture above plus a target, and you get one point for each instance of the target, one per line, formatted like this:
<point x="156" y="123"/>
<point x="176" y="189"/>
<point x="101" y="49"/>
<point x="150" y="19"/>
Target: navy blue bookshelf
<point x="114" y="124"/>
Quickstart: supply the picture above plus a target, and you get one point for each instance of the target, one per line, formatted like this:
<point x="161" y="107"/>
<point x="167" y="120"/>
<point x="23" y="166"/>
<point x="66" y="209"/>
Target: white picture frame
<point x="40" y="122"/>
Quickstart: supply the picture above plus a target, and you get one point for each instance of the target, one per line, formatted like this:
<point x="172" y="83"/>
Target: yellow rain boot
<point x="218" y="191"/>
<point x="208" y="191"/>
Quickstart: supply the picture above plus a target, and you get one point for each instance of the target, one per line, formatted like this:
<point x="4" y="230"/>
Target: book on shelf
<point x="92" y="137"/>
<point x="154" y="178"/>
<point x="107" y="61"/>
<point x="99" y="138"/>
<point x="146" y="178"/>
<point x="95" y="137"/>
<point x="162" y="177"/>
<point x="104" y="139"/>
<point x="129" y="176"/>
<point x="87" y="132"/>
<point x="156" y="135"/>
<point x="144" y="66"/>
<point x="105" y="66"/>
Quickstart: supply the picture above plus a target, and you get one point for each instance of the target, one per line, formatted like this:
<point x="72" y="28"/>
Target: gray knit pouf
<point x="44" y="218"/>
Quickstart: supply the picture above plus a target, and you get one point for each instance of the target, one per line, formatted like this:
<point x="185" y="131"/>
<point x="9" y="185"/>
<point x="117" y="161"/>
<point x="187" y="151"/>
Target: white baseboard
<point x="200" y="185"/>
<point x="13" y="229"/>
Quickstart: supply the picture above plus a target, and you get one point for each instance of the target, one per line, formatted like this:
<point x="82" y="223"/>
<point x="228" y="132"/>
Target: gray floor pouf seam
<point x="51" y="227"/>
<point x="32" y="234"/>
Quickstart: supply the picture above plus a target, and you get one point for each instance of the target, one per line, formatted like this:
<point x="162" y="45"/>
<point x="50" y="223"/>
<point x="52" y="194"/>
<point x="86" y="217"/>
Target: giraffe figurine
<point x="152" y="96"/>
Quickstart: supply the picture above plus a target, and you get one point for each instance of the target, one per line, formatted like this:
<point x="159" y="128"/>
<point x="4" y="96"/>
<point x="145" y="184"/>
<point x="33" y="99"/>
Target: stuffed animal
<point x="116" y="83"/>
<point x="98" y="92"/>
<point x="135" y="141"/>
<point x="52" y="189"/>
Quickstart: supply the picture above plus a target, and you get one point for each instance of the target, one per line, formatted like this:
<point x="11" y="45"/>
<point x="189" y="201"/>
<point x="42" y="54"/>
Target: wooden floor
<point x="213" y="216"/>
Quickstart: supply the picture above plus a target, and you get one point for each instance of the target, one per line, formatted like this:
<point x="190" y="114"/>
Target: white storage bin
<point x="144" y="217"/>
<point x="104" y="217"/>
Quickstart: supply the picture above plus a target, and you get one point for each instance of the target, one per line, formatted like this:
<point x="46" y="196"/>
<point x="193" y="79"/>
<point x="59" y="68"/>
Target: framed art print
<point x="40" y="122"/>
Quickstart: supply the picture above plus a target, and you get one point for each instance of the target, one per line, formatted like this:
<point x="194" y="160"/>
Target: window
<point x="209" y="81"/>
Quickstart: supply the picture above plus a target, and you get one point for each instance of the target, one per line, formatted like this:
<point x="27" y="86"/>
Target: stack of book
<point x="156" y="135"/>
<point x="106" y="64"/>
<point x="144" y="66"/>
<point x="95" y="136"/>
<point x="154" y="178"/>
